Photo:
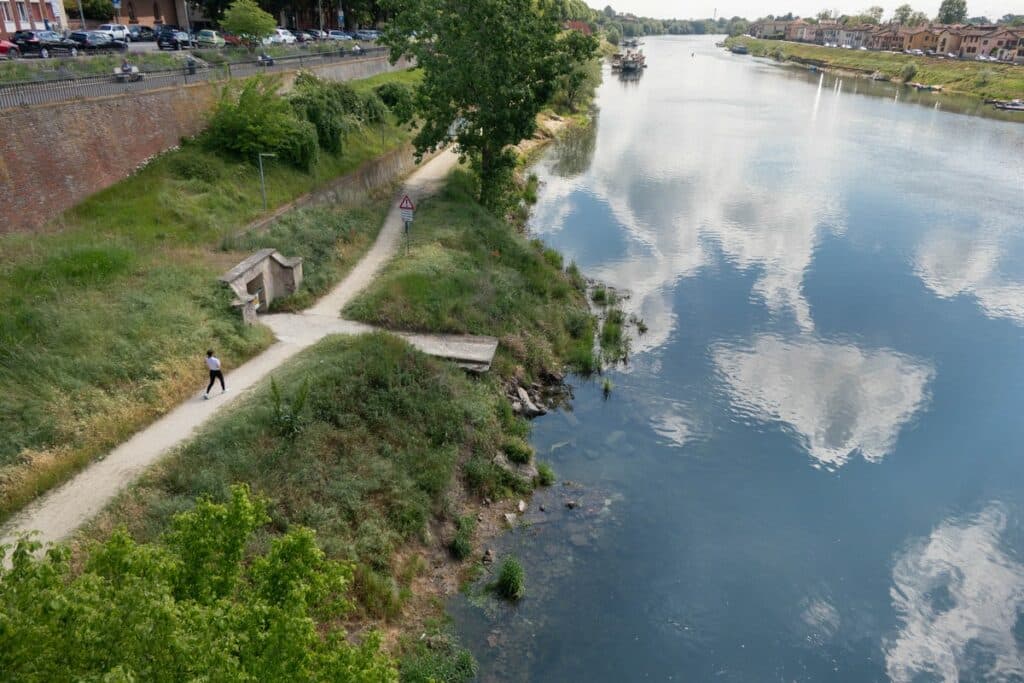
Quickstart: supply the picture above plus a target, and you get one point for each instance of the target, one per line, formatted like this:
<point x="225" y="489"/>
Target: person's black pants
<point x="214" y="376"/>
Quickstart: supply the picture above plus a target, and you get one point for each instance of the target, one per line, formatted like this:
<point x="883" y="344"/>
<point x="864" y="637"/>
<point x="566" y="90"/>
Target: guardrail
<point x="26" y="93"/>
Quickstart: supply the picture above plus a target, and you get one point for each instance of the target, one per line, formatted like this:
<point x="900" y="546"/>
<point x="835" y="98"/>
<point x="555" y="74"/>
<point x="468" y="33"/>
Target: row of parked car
<point x="47" y="43"/>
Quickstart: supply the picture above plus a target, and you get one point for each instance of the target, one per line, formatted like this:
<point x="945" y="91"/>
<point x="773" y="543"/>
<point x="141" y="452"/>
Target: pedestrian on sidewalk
<point x="213" y="364"/>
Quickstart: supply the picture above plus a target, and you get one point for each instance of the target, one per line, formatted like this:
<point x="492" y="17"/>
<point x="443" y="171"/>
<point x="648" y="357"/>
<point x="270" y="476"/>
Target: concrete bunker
<point x="261" y="278"/>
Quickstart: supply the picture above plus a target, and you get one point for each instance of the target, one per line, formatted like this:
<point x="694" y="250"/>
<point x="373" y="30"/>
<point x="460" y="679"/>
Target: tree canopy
<point x="245" y="18"/>
<point x="952" y="11"/>
<point x="489" y="67"/>
<point x="187" y="608"/>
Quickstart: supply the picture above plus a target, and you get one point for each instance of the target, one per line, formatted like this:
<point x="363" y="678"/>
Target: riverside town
<point x="454" y="341"/>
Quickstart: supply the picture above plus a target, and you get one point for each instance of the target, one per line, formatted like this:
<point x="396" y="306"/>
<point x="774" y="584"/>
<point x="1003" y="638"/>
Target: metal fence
<point x="14" y="95"/>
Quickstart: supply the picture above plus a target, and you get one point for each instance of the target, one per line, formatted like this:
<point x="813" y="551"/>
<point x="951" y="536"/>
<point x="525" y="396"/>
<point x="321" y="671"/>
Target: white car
<point x="280" y="36"/>
<point x="116" y="31"/>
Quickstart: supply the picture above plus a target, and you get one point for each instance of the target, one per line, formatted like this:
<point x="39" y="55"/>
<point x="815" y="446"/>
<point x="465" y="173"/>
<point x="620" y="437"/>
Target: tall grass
<point x="469" y="272"/>
<point x="103" y="320"/>
<point x="377" y="434"/>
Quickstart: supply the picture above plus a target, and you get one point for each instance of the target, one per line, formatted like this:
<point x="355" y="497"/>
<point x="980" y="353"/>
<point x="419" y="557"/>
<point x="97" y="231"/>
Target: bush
<point x="511" y="583"/>
<point x="193" y="164"/>
<point x="984" y="78"/>
<point x="375" y="112"/>
<point x="259" y="120"/>
<point x="462" y="545"/>
<point x="545" y="474"/>
<point x="400" y="99"/>
<point x="518" y="451"/>
<point x="317" y="102"/>
<point x="908" y="71"/>
<point x="437" y="662"/>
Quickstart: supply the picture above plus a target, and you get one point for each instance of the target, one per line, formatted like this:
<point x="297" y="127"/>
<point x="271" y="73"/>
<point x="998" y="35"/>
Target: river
<point x="812" y="467"/>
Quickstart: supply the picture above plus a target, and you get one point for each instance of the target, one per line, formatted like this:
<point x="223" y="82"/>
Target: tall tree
<point x="952" y="11"/>
<point x="875" y="12"/>
<point x="902" y="14"/>
<point x="489" y="67"/>
<point x="245" y="18"/>
<point x="917" y="19"/>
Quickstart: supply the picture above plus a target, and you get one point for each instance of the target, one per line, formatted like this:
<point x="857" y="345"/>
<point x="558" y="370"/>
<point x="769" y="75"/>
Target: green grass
<point x="103" y="319"/>
<point x="380" y="432"/>
<point x="461" y="546"/>
<point x="1002" y="81"/>
<point x="469" y="272"/>
<point x="511" y="582"/>
<point x="545" y="474"/>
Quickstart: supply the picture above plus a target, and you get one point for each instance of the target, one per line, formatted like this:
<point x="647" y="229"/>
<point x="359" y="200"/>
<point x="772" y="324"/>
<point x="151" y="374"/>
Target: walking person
<point x="213" y="364"/>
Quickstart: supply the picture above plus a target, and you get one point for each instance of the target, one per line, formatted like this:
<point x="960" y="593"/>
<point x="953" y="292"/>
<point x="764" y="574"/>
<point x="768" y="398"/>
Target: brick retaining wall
<point x="53" y="156"/>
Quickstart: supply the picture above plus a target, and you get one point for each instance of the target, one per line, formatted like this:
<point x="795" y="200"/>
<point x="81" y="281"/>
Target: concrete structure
<point x="793" y="29"/>
<point x="921" y="38"/>
<point x="854" y="36"/>
<point x="949" y="39"/>
<point x="261" y="278"/>
<point x="772" y="29"/>
<point x="22" y="15"/>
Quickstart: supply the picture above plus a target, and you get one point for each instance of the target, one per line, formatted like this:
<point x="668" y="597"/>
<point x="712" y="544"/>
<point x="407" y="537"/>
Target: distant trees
<point x="875" y="14"/>
<point x="901" y="15"/>
<point x="1012" y="20"/>
<point x="100" y="10"/>
<point x="952" y="11"/>
<point x="979" y="21"/>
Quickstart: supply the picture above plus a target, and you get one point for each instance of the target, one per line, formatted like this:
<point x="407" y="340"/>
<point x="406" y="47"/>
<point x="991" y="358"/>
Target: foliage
<point x="613" y="35"/>
<point x="489" y="67"/>
<point x="333" y="108"/>
<point x="245" y="18"/>
<point x="462" y="543"/>
<point x="952" y="11"/>
<point x="400" y="99"/>
<point x="468" y="272"/>
<point x="984" y="78"/>
<point x="517" y="451"/>
<point x="439" y="660"/>
<point x="511" y="583"/>
<point x="185" y="607"/>
<point x="545" y="474"/>
<point x="99" y="10"/>
<point x="901" y="15"/>
<point x="908" y="71"/>
<point x="258" y="120"/>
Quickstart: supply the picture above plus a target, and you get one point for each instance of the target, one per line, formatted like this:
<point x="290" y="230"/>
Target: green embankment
<point x="980" y="79"/>
<point x="103" y="322"/>
<point x="469" y="272"/>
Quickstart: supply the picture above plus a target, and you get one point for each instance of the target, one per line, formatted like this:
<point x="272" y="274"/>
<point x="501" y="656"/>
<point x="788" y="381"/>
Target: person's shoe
<point x="206" y="397"/>
<point x="223" y="391"/>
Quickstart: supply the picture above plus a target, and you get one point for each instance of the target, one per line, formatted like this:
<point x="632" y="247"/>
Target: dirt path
<point x="59" y="512"/>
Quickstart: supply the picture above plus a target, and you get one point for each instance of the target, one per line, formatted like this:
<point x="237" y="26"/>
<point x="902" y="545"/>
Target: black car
<point x="43" y="43"/>
<point x="141" y="34"/>
<point x="174" y="40"/>
<point x="97" y="41"/>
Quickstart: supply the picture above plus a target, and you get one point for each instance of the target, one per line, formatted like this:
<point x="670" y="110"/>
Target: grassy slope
<point x="1001" y="81"/>
<point x="367" y="459"/>
<point x="101" y="322"/>
<point x="468" y="272"/>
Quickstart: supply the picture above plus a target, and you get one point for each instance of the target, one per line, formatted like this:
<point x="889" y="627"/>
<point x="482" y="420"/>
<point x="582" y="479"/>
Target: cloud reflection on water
<point x="960" y="598"/>
<point x="838" y="398"/>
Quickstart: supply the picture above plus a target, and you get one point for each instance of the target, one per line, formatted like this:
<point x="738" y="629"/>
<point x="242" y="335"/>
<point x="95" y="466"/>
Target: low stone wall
<point x="53" y="156"/>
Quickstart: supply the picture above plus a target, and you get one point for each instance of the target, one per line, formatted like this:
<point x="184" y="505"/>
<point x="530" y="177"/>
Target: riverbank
<point x="977" y="79"/>
<point x="101" y="318"/>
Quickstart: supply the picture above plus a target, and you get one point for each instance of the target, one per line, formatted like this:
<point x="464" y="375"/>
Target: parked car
<point x="96" y="41"/>
<point x="366" y="35"/>
<point x="316" y="34"/>
<point x="232" y="39"/>
<point x="141" y="34"/>
<point x="174" y="40"/>
<point x="9" y="50"/>
<point x="280" y="36"/>
<point x="43" y="43"/>
<point x="116" y="31"/>
<point x="338" y="35"/>
<point x="208" y="38"/>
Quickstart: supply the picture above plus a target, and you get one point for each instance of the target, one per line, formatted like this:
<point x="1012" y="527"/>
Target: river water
<point x="812" y="468"/>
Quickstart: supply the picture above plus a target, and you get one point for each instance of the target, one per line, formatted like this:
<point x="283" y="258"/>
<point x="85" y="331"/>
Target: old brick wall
<point x="52" y="156"/>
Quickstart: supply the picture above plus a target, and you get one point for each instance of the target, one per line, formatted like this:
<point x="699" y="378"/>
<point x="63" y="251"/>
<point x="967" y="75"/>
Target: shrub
<point x="511" y="583"/>
<point x="259" y="120"/>
<point x="908" y="71"/>
<point x="462" y="545"/>
<point x="400" y="99"/>
<point x="315" y="101"/>
<point x="984" y="78"/>
<point x="545" y="474"/>
<point x="374" y="110"/>
<point x="436" y="661"/>
<point x="518" y="451"/>
<point x="191" y="163"/>
<point x="379" y="594"/>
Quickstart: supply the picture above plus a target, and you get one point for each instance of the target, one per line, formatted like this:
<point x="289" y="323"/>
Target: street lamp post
<point x="81" y="13"/>
<point x="263" y="182"/>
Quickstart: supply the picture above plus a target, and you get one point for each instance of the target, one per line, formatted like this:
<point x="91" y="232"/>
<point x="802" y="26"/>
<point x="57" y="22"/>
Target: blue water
<point x="811" y="468"/>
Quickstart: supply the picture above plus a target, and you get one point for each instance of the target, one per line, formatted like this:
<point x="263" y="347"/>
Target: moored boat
<point x="739" y="50"/>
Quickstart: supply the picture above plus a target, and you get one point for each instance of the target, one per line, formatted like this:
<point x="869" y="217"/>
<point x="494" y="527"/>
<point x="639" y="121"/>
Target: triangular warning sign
<point x="407" y="204"/>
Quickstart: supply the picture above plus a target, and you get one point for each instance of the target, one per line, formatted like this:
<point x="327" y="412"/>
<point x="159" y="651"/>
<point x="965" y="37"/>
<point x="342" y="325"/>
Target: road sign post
<point x="408" y="211"/>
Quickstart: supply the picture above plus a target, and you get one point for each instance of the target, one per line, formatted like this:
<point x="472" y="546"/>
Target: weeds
<point x="461" y="546"/>
<point x="511" y="582"/>
<point x="545" y="474"/>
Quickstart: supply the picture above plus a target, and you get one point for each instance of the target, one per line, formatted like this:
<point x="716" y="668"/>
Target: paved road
<point x="58" y="513"/>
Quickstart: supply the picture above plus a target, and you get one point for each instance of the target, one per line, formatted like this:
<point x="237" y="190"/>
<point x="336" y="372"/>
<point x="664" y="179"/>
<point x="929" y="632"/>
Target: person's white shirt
<point x="212" y="363"/>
